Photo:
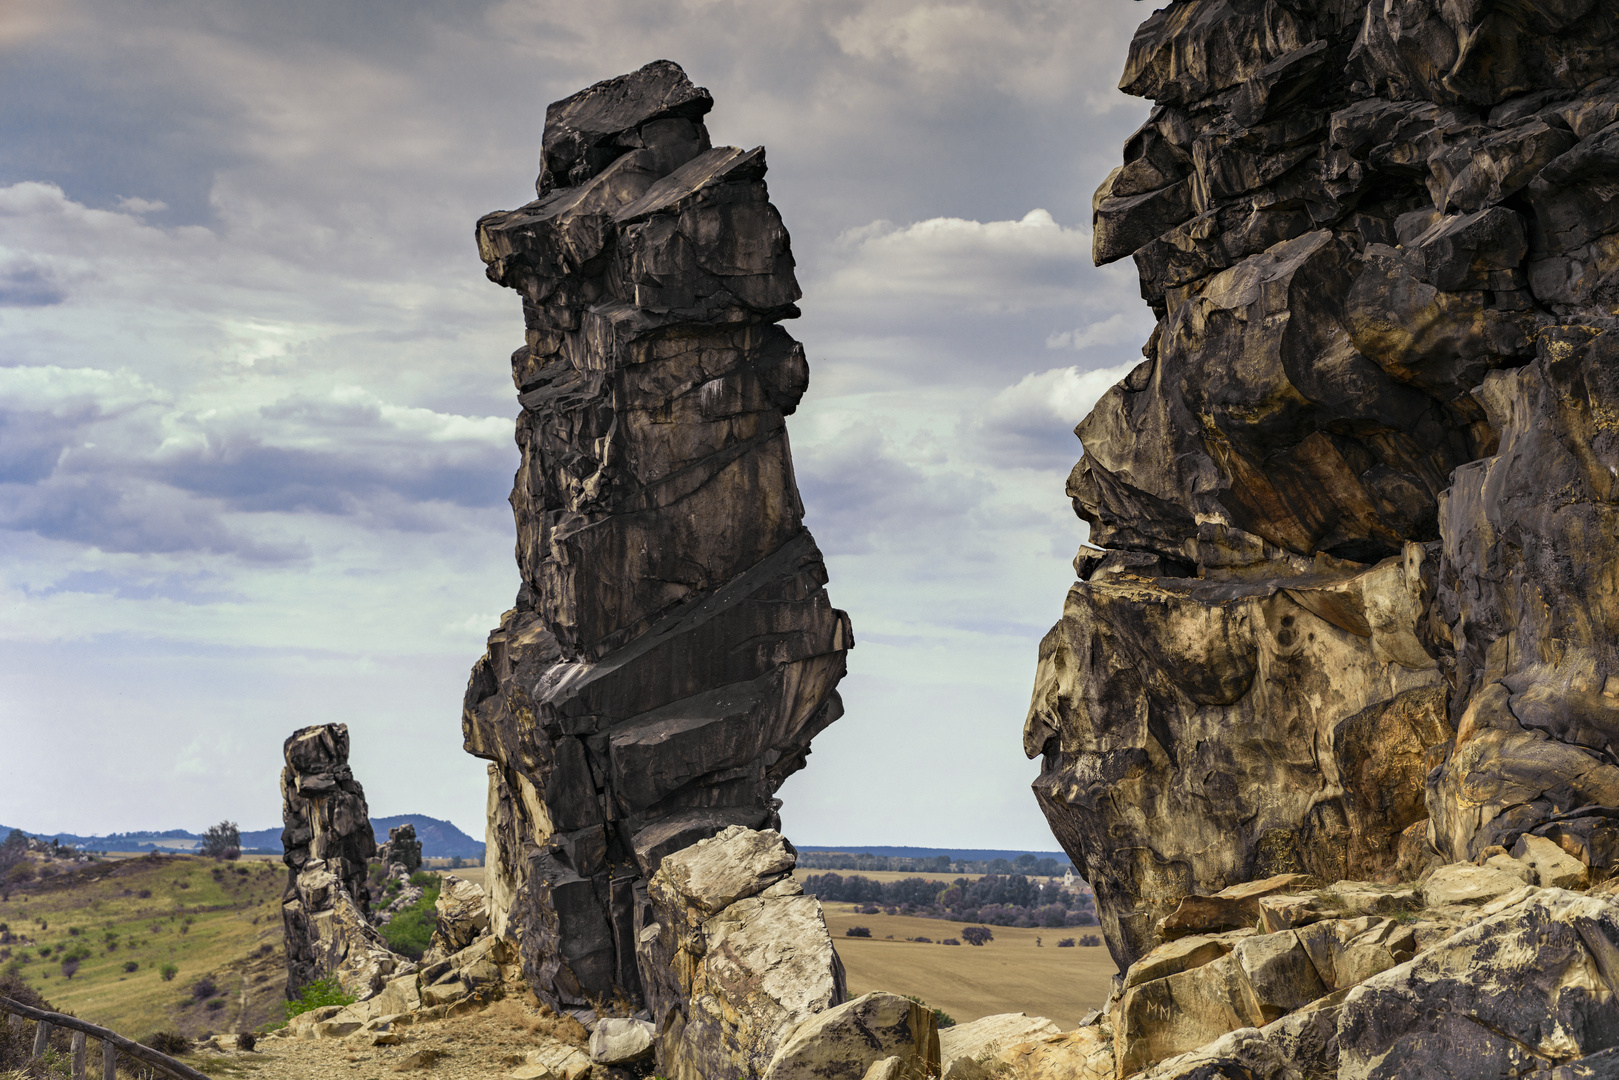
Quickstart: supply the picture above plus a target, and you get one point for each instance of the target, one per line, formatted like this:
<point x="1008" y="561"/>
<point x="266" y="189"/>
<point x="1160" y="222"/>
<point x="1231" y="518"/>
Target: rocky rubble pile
<point x="672" y="650"/>
<point x="1350" y="614"/>
<point x="1495" y="969"/>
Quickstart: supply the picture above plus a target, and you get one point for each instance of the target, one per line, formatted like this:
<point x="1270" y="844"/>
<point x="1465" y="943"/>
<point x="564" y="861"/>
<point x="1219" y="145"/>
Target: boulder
<point x="461" y="914"/>
<point x="1552" y="866"/>
<point x="844" y="1042"/>
<point x="1526" y="987"/>
<point x="1085" y="1054"/>
<point x="725" y="986"/>
<point x="1461" y="883"/>
<point x="672" y="650"/>
<point x="964" y="1049"/>
<point x="620" y="1040"/>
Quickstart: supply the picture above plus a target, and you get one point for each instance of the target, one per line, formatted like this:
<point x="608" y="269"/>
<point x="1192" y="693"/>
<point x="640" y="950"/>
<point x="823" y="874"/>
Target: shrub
<point x="977" y="935"/>
<point x="222" y="841"/>
<point x="924" y="940"/>
<point x="44" y="950"/>
<point x="409" y="932"/>
<point x="217" y="1003"/>
<point x="316" y="995"/>
<point x="1066" y="943"/>
<point x="1090" y="940"/>
<point x="132" y="965"/>
<point x="857" y="931"/>
<point x="424" y="880"/>
<point x="69" y="968"/>
<point x="246" y="1040"/>
<point x="167" y="1042"/>
<point x="168" y="971"/>
<point x="204" y="988"/>
<point x="950" y="941"/>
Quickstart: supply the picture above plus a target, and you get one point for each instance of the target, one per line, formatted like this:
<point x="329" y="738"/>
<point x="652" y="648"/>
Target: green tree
<point x="222" y="841"/>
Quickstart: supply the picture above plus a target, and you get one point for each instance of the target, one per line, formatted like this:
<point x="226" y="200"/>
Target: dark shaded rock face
<point x="1357" y="504"/>
<point x="401" y="849"/>
<point x="327" y="845"/>
<point x="672" y="650"/>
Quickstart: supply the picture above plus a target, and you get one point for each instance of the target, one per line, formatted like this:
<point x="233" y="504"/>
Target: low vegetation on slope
<point x="151" y="943"/>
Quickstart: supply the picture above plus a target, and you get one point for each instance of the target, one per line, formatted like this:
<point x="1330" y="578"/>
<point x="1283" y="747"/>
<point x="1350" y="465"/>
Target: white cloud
<point x="257" y="422"/>
<point x="983" y="266"/>
<point x="1120" y="328"/>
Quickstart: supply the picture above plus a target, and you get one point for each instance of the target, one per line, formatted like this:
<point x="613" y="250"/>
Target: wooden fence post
<point x="109" y="1061"/>
<point x="42" y="1040"/>
<point x="78" y="1055"/>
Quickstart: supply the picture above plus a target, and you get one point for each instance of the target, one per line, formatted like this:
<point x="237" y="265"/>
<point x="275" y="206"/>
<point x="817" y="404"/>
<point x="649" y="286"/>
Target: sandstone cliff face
<point x="1353" y="602"/>
<point x="672" y="650"/>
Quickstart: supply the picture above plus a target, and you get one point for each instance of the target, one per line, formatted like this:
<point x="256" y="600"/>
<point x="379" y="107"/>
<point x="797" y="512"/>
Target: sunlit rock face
<point x="1355" y="508"/>
<point x="672" y="650"/>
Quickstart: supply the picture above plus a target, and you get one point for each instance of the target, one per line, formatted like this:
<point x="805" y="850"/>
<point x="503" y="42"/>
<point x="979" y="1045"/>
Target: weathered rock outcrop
<point x="735" y="958"/>
<point x="402" y="849"/>
<point x="672" y="650"/>
<point x="1352" y="609"/>
<point x="327" y="843"/>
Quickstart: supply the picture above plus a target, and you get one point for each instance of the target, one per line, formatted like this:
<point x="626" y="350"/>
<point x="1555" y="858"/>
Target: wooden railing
<point x="112" y="1043"/>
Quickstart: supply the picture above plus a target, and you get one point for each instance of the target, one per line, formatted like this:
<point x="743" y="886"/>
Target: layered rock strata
<point x="1351" y="607"/>
<point x="327" y="846"/>
<point x="672" y="650"/>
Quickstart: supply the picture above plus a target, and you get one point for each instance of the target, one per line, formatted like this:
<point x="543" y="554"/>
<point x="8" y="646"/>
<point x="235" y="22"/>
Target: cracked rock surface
<point x="672" y="650"/>
<point x="1351" y="608"/>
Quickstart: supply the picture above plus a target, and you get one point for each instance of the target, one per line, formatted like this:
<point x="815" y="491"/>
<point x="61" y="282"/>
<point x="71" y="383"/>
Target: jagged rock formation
<point x="402" y="849"/>
<point x="327" y="842"/>
<point x="1352" y="609"/>
<point x="672" y="650"/>
<point x="735" y="956"/>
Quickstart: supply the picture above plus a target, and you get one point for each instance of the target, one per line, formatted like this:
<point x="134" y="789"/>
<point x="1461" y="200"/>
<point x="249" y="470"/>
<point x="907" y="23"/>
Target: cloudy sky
<point x="256" y="413"/>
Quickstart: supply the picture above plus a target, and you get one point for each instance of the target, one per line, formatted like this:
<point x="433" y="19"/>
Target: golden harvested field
<point x="894" y="875"/>
<point x="206" y="918"/>
<point x="1010" y="974"/>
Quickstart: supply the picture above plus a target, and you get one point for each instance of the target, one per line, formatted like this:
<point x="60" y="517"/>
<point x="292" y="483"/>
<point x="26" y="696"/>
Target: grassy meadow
<point x="128" y="921"/>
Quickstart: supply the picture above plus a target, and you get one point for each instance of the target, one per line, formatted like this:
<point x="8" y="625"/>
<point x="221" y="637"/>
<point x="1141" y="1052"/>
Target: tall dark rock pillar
<point x="672" y="650"/>
<point x="327" y="843"/>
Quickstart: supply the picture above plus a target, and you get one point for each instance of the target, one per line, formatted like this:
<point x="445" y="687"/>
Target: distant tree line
<point x="1028" y="865"/>
<point x="995" y="899"/>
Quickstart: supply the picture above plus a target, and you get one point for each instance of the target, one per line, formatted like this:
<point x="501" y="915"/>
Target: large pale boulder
<point x="461" y="914"/>
<point x="1531" y="985"/>
<point x="1463" y="883"/>
<point x="1085" y="1054"/>
<point x="734" y="957"/>
<point x="965" y="1049"/>
<point x="842" y="1043"/>
<point x="620" y="1040"/>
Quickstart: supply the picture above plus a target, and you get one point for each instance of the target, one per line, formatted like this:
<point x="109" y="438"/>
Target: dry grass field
<point x="206" y="918"/>
<point x="1010" y="974"/>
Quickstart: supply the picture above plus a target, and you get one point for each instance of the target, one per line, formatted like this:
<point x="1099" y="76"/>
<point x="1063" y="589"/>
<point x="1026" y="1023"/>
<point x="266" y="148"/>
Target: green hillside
<point x="119" y="925"/>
